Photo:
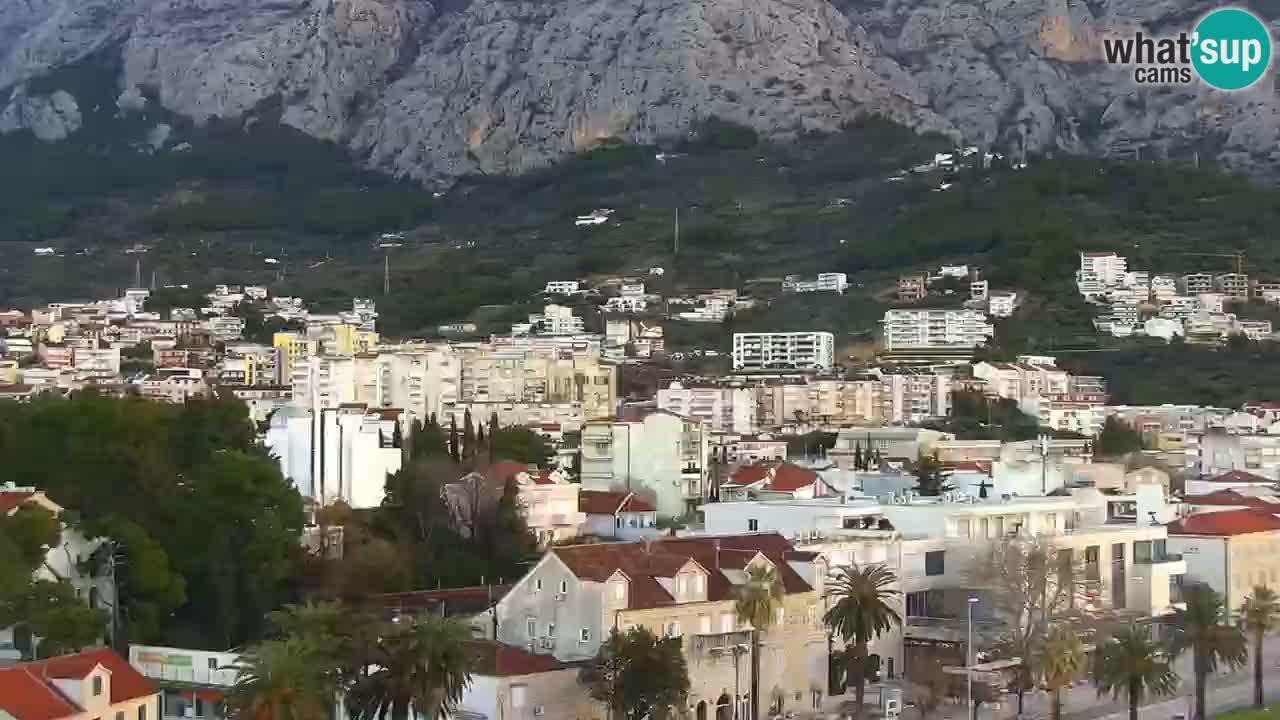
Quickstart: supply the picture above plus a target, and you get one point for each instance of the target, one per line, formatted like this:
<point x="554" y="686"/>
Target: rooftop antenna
<point x="676" y="246"/>
<point x="386" y="274"/>
<point x="137" y="272"/>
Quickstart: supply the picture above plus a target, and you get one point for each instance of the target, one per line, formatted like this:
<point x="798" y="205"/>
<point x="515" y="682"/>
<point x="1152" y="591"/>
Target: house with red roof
<point x="1232" y="551"/>
<point x="1232" y="499"/>
<point x="90" y="684"/>
<point x="775" y="480"/>
<point x="617" y="515"/>
<point x="570" y="601"/>
<point x="1228" y="480"/>
<point x="511" y="682"/>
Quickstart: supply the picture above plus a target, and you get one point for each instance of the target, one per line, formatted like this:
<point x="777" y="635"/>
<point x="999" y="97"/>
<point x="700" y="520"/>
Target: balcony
<point x="721" y="643"/>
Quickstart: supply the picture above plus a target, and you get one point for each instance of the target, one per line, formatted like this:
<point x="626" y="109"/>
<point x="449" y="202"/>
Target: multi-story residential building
<point x="560" y="320"/>
<point x="911" y="395"/>
<point x="1179" y="307"/>
<point x="662" y="457"/>
<point x="89" y="684"/>
<point x="343" y="453"/>
<point x="173" y="385"/>
<point x="1163" y="288"/>
<point x="1232" y="551"/>
<point x="1002" y="304"/>
<point x="913" y="288"/>
<point x="818" y="401"/>
<point x="906" y="328"/>
<point x="979" y="290"/>
<point x="752" y="448"/>
<point x="97" y="362"/>
<point x="724" y="409"/>
<point x="515" y="376"/>
<point x="1196" y="283"/>
<point x="783" y="351"/>
<point x="176" y="671"/>
<point x="1101" y="270"/>
<point x="1077" y="412"/>
<point x="567" y="605"/>
<point x="1220" y="452"/>
<point x="225" y="328"/>
<point x="825" y="282"/>
<point x="1266" y="290"/>
<point x="562" y="287"/>
<point x="1235" y="285"/>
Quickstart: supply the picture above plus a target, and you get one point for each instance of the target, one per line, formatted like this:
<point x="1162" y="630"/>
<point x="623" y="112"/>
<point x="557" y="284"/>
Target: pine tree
<point x="857" y="457"/>
<point x="453" y="439"/>
<point x="493" y="434"/>
<point x="397" y="439"/>
<point x="468" y="436"/>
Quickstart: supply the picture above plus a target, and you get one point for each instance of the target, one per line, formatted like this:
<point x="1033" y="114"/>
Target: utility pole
<point x="386" y="275"/>
<point x="153" y="279"/>
<point x="137" y="272"/>
<point x="675" y="252"/>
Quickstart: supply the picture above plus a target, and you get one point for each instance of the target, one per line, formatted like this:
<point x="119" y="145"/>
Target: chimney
<point x="716" y="543"/>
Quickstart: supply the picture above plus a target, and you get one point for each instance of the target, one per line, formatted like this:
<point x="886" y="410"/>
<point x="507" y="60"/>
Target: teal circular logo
<point x="1231" y="49"/>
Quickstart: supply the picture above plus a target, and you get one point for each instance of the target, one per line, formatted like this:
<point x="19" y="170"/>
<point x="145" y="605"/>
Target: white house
<point x="342" y="453"/>
<point x="661" y="457"/>
<point x="617" y="515"/>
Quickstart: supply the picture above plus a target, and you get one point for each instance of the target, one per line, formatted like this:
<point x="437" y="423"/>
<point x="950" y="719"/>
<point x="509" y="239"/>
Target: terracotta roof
<point x="790" y="478"/>
<point x="503" y="470"/>
<point x="602" y="502"/>
<point x="454" y="601"/>
<point x="16" y="389"/>
<point x="1225" y="523"/>
<point x="26" y="696"/>
<point x="1240" y="476"/>
<point x="27" y="693"/>
<point x="748" y="475"/>
<point x="643" y="563"/>
<point x="11" y="500"/>
<point x="1231" y="497"/>
<point x="495" y="659"/>
<point x="387" y="413"/>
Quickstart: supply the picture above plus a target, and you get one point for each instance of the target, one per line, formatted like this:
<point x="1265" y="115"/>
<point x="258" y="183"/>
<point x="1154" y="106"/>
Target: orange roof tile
<point x="26" y="696"/>
<point x="496" y="659"/>
<point x="1240" y="476"/>
<point x="27" y="693"/>
<point x="11" y="500"/>
<point x="1226" y="523"/>
<point x="1231" y="497"/>
<point x="603" y="502"/>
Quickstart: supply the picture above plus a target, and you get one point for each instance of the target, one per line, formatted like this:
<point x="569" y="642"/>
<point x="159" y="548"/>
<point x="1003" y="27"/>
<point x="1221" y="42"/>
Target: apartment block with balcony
<point x="1232" y="551"/>
<point x="662" y="457"/>
<point x="725" y="409"/>
<point x="569" y="602"/>
<point x="913" y="288"/>
<point x="906" y="328"/>
<point x="783" y="351"/>
<point x="1234" y="285"/>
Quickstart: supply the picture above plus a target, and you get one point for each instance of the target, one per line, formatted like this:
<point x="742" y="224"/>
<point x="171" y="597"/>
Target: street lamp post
<point x="968" y="655"/>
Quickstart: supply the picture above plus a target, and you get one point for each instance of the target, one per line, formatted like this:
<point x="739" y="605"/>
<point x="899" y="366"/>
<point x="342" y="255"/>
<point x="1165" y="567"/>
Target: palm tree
<point x="1259" y="615"/>
<point x="1130" y="664"/>
<point x="283" y="680"/>
<point x="420" y="666"/>
<point x="756" y="601"/>
<point x="1062" y="660"/>
<point x="862" y="610"/>
<point x="1200" y="629"/>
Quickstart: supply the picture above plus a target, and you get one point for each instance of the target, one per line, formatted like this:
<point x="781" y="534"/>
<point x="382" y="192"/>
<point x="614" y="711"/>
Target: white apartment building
<point x="343" y="453"/>
<point x="913" y="395"/>
<point x="825" y="282"/>
<point x="1107" y="268"/>
<point x="1234" y="285"/>
<point x="560" y="320"/>
<point x="783" y="351"/>
<point x="1197" y="283"/>
<point x="225" y="329"/>
<point x="562" y="287"/>
<point x="979" y="290"/>
<point x="1163" y="288"/>
<point x="97" y="362"/>
<point x="819" y="402"/>
<point x="907" y="328"/>
<point x="1032" y="375"/>
<point x="1002" y="304"/>
<point x="661" y="457"/>
<point x="626" y="304"/>
<point x="723" y="409"/>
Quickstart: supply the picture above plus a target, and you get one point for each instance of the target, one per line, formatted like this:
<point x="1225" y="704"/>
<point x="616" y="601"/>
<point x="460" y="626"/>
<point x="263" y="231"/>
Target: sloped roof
<point x="27" y="691"/>
<point x="498" y="660"/>
<point x="1226" y="523"/>
<point x="1230" y="498"/>
<point x="748" y="475"/>
<point x="604" y="502"/>
<point x="789" y="478"/>
<point x="1240" y="476"/>
<point x="642" y="563"/>
<point x="455" y="601"/>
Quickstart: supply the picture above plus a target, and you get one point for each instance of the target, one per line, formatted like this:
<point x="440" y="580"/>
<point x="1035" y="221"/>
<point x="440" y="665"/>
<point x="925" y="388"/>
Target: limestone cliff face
<point x="432" y="90"/>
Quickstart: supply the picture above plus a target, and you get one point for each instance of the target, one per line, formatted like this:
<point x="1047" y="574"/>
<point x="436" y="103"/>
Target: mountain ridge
<point x="434" y="91"/>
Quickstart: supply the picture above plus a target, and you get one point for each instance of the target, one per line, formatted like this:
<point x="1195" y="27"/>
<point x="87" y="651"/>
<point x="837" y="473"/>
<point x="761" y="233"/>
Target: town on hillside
<point x="219" y="503"/>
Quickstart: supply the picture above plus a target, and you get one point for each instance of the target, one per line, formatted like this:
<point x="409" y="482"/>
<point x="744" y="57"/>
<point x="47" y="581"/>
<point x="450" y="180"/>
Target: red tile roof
<point x="1231" y="497"/>
<point x="603" y="502"/>
<point x="643" y="563"/>
<point x="748" y="475"/>
<point x="776" y="476"/>
<point x="503" y="470"/>
<point x="495" y="659"/>
<point x="1225" y="523"/>
<point x="1240" y="476"/>
<point x="27" y="693"/>
<point x="790" y="478"/>
<point x="11" y="500"/>
<point x="455" y="601"/>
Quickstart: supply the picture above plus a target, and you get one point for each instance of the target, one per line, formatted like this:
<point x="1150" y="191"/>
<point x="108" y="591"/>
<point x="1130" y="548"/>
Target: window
<point x="726" y="622"/>
<point x="120" y="715"/>
<point x="811" y="614"/>
<point x="213" y="663"/>
<point x="781" y="619"/>
<point x="704" y="624"/>
<point x="934" y="562"/>
<point x="531" y="627"/>
<point x="986" y="528"/>
<point x="551" y="629"/>
<point x="753" y="525"/>
<point x="673" y="629"/>
<point x="697" y="584"/>
<point x="97" y="685"/>
<point x="584" y="635"/>
<point x="680" y="584"/>
<point x="619" y="591"/>
<point x="564" y="587"/>
<point x="537" y="585"/>
<point x="519" y="695"/>
<point x="142" y="712"/>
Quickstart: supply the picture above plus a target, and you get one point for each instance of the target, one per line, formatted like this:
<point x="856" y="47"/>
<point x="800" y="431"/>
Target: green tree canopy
<point x="638" y="674"/>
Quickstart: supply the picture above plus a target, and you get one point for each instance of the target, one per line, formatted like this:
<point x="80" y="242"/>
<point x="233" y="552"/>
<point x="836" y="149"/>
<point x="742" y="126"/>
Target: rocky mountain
<point x="433" y="90"/>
